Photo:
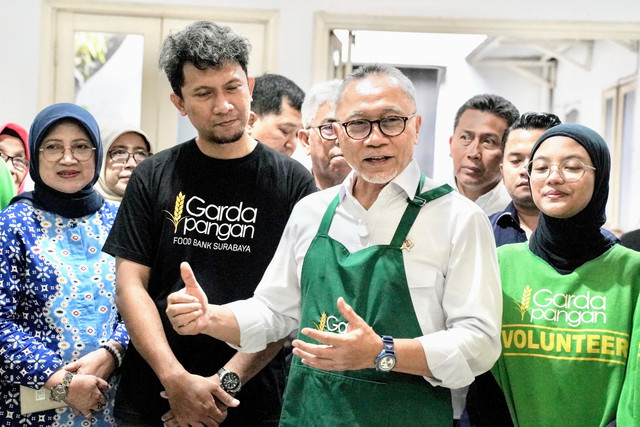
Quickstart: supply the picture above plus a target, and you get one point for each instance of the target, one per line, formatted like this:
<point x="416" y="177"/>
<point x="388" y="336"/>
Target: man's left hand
<point x="355" y="349"/>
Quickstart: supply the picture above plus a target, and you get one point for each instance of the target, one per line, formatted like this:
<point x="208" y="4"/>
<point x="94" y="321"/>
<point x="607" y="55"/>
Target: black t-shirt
<point x="225" y="217"/>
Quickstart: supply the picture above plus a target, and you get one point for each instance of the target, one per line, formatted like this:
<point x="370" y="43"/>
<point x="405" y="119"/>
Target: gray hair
<point x="316" y="96"/>
<point x="383" y="70"/>
<point x="203" y="44"/>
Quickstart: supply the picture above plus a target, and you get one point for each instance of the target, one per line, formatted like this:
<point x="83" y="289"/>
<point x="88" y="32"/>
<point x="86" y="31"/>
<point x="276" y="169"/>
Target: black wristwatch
<point x="60" y="391"/>
<point x="229" y="381"/>
<point x="386" y="360"/>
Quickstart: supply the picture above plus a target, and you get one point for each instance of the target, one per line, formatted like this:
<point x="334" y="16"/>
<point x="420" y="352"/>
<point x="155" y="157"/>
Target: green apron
<point x="374" y="283"/>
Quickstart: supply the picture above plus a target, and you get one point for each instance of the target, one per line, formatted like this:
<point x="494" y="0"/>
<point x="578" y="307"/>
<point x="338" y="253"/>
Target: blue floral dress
<point x="57" y="303"/>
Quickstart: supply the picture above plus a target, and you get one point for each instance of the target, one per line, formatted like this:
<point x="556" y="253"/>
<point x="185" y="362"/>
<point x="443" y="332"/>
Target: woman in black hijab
<point x="570" y="333"/>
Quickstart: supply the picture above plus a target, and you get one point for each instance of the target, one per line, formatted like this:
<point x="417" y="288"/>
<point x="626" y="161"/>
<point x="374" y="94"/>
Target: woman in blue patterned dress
<point x="59" y="327"/>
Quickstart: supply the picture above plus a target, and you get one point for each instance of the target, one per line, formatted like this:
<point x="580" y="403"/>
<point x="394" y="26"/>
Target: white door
<point x="108" y="63"/>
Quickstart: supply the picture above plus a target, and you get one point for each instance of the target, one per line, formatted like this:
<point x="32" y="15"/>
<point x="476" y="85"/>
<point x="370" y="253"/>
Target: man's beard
<point x="525" y="202"/>
<point x="380" y="177"/>
<point x="221" y="139"/>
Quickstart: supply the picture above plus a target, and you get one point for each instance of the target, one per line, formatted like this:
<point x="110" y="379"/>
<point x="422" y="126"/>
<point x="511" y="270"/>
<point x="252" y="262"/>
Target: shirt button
<point x="363" y="231"/>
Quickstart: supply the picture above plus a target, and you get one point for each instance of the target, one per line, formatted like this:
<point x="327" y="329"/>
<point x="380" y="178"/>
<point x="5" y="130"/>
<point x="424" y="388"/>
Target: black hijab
<point x="75" y="205"/>
<point x="568" y="243"/>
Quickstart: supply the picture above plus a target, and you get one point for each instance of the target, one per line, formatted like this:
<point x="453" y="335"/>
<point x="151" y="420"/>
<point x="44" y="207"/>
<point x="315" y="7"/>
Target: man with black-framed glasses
<point x="391" y="278"/>
<point x="318" y="139"/>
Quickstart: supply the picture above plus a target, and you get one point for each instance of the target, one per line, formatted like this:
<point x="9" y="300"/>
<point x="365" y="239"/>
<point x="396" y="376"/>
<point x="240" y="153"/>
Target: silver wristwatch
<point x="60" y="391"/>
<point x="229" y="381"/>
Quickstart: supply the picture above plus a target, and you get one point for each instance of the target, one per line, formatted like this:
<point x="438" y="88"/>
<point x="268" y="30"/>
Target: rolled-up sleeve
<point x="469" y="344"/>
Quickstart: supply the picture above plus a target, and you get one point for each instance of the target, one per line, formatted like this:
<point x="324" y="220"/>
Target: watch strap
<point x="67" y="379"/>
<point x="387" y="354"/>
<point x="387" y="343"/>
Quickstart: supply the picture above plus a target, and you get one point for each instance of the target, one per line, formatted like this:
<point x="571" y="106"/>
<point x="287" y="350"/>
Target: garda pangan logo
<point x="323" y="322"/>
<point x="176" y="216"/>
<point x="525" y="301"/>
<point x="195" y="217"/>
<point x="331" y="324"/>
<point x="571" y="309"/>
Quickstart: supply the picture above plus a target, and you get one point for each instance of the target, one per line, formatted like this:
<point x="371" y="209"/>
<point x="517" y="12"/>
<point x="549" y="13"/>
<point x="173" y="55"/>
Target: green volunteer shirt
<point x="570" y="342"/>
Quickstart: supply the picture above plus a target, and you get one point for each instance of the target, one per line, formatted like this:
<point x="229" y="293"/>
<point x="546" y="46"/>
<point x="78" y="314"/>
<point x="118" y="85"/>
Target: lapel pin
<point x="408" y="244"/>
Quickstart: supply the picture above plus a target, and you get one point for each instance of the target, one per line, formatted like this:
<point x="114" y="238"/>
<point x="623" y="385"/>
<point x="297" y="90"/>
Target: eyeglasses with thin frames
<point x="389" y="126"/>
<point x="54" y="152"/>
<point x="19" y="163"/>
<point x="123" y="156"/>
<point x="570" y="170"/>
<point x="325" y="131"/>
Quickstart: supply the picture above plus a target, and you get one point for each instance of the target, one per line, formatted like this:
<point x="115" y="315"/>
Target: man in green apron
<point x="392" y="279"/>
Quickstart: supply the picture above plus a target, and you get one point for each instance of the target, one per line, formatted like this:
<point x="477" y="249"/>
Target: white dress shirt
<point x="452" y="273"/>
<point x="494" y="200"/>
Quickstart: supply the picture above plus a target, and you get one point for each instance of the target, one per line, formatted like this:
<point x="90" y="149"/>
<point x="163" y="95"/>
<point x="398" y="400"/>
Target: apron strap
<point x="328" y="216"/>
<point x="413" y="208"/>
<point x="410" y="213"/>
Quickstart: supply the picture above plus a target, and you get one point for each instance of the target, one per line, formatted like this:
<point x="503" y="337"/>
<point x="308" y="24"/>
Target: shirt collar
<point x="406" y="181"/>
<point x="508" y="216"/>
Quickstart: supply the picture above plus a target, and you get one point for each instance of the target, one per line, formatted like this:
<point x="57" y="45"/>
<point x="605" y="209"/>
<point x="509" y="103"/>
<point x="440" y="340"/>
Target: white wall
<point x="580" y="88"/>
<point x="19" y="48"/>
<point x="583" y="89"/>
<point x="634" y="194"/>
<point x="19" y="45"/>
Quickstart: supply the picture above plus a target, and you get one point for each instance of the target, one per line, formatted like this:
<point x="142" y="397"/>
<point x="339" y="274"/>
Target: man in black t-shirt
<point x="219" y="201"/>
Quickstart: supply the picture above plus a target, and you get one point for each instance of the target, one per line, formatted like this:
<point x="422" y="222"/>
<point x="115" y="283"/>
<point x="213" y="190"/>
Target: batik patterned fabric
<point x="57" y="303"/>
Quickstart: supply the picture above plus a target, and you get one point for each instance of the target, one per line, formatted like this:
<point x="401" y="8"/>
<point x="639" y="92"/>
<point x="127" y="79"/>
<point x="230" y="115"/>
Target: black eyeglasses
<point x="122" y="156"/>
<point x="389" y="126"/>
<point x="325" y="131"/>
<point x="570" y="170"/>
<point x="20" y="163"/>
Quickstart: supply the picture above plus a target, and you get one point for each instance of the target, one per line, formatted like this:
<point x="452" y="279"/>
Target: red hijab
<point x="19" y="132"/>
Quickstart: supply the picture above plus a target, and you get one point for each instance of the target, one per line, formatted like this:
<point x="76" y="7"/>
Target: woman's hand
<point x="99" y="363"/>
<point x="87" y="394"/>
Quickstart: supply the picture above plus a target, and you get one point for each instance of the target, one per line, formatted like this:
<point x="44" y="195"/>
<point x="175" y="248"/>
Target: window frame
<point x="155" y="97"/>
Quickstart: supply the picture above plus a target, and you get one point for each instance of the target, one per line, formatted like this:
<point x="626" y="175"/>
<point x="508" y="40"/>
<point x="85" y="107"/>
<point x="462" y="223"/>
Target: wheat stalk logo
<point x="323" y="322"/>
<point x="176" y="216"/>
<point x="523" y="305"/>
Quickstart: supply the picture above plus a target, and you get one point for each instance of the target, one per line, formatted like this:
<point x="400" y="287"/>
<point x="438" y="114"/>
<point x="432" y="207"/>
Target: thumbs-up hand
<point x="187" y="308"/>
